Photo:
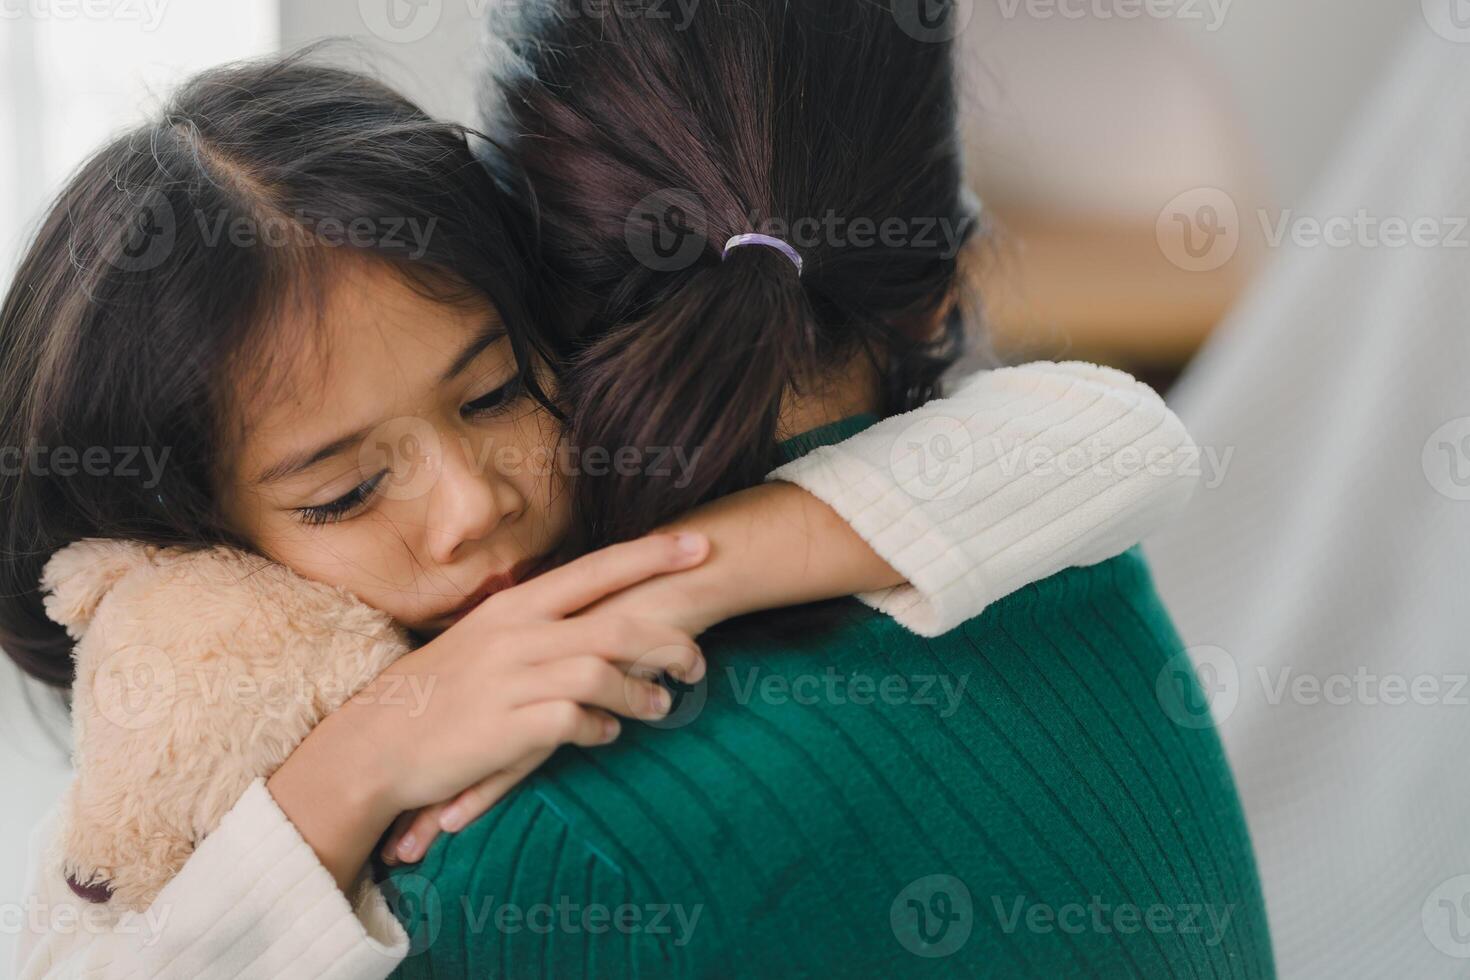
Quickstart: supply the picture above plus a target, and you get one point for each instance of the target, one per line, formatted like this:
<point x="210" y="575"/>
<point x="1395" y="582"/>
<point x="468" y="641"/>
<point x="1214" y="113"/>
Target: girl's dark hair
<point x="649" y="138"/>
<point x="157" y="274"/>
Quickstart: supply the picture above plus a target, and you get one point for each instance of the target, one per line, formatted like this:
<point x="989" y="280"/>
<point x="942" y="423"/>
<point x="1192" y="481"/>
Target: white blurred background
<point x="1089" y="120"/>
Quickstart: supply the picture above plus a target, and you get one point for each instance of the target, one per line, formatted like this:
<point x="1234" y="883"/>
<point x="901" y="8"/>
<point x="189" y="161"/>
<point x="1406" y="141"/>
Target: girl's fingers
<point x="414" y="832"/>
<point x="578" y="584"/>
<point x="400" y="826"/>
<point x="640" y="645"/>
<point x="547" y="724"/>
<point x="681" y="658"/>
<point x="409" y="845"/>
<point x="590" y="681"/>
<point x="475" y="801"/>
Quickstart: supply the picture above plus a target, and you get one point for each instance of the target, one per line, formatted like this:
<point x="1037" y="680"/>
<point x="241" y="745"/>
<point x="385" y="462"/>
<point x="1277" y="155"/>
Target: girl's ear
<point x="79" y="575"/>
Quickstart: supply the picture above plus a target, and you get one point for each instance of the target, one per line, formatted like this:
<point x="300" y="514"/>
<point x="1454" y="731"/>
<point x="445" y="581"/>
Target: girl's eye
<point x="493" y="401"/>
<point x="344" y="506"/>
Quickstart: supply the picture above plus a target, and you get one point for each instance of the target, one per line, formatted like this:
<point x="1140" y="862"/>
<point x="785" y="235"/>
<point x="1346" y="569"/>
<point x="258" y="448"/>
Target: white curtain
<point x="73" y="73"/>
<point x="1323" y="582"/>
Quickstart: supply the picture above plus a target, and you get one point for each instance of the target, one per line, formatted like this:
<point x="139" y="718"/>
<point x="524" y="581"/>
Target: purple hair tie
<point x="768" y="242"/>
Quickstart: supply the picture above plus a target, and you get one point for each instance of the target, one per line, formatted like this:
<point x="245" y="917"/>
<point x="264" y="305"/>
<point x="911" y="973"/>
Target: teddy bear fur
<point x="197" y="672"/>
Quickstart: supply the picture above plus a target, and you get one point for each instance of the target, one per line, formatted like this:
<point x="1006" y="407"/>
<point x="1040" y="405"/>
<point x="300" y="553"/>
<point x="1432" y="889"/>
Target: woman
<point x="1058" y="814"/>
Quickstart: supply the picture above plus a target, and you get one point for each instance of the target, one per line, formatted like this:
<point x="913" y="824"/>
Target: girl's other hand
<point x="413" y="832"/>
<point x="484" y="703"/>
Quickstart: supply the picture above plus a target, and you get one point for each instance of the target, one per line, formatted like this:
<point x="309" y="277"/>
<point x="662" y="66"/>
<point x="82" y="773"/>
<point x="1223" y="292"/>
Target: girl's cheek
<point x="368" y="557"/>
<point x="524" y="452"/>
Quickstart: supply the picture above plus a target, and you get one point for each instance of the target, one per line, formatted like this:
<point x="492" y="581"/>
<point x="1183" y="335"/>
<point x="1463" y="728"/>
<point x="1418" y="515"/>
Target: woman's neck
<point x="849" y="390"/>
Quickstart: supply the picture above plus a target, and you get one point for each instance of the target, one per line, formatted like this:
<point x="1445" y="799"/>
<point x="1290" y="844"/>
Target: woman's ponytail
<point x="690" y="394"/>
<point x="827" y="124"/>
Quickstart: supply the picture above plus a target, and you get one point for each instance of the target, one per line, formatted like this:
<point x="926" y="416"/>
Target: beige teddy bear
<point x="197" y="671"/>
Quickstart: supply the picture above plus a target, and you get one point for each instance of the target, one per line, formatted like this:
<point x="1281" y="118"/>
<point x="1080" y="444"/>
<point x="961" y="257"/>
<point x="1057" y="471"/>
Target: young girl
<point x="312" y="305"/>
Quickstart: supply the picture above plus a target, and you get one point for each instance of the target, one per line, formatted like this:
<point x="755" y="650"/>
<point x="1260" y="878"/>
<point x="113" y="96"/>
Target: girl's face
<point x="406" y="465"/>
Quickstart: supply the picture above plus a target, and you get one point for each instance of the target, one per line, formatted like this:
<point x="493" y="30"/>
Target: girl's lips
<point x="489" y="587"/>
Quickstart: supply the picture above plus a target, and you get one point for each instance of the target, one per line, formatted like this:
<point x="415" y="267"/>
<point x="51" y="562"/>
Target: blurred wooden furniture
<point x="1098" y="288"/>
<point x="1084" y="135"/>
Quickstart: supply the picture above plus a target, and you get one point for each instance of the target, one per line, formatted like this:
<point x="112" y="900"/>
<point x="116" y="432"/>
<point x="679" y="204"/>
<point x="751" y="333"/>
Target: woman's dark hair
<point x="648" y="139"/>
<point x="158" y="273"/>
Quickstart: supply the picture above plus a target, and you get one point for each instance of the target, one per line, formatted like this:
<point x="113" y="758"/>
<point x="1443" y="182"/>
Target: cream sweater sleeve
<point x="1021" y="473"/>
<point x="252" y="901"/>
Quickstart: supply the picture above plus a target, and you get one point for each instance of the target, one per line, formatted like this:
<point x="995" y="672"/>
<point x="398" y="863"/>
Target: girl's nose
<point x="468" y="503"/>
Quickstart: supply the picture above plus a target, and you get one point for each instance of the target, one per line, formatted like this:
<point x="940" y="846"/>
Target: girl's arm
<point x="933" y="515"/>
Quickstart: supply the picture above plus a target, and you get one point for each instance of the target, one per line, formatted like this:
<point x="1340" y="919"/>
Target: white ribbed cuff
<point x="944" y="587"/>
<point x="255" y="900"/>
<point x="1059" y="465"/>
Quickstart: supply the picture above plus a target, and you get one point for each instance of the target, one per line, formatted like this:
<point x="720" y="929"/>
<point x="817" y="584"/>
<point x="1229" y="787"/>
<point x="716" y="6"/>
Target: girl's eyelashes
<point x="488" y="404"/>
<point x="344" y="506"/>
<point x="496" y="400"/>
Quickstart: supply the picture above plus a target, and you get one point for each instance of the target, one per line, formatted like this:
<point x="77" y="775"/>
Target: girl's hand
<point x="496" y="694"/>
<point x="415" y="830"/>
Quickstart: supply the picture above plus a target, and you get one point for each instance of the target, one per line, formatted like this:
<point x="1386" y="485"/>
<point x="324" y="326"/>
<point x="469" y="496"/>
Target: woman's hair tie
<point x="767" y="241"/>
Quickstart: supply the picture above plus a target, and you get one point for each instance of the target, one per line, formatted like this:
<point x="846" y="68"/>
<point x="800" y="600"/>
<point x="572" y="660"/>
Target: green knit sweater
<point x="1034" y="794"/>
